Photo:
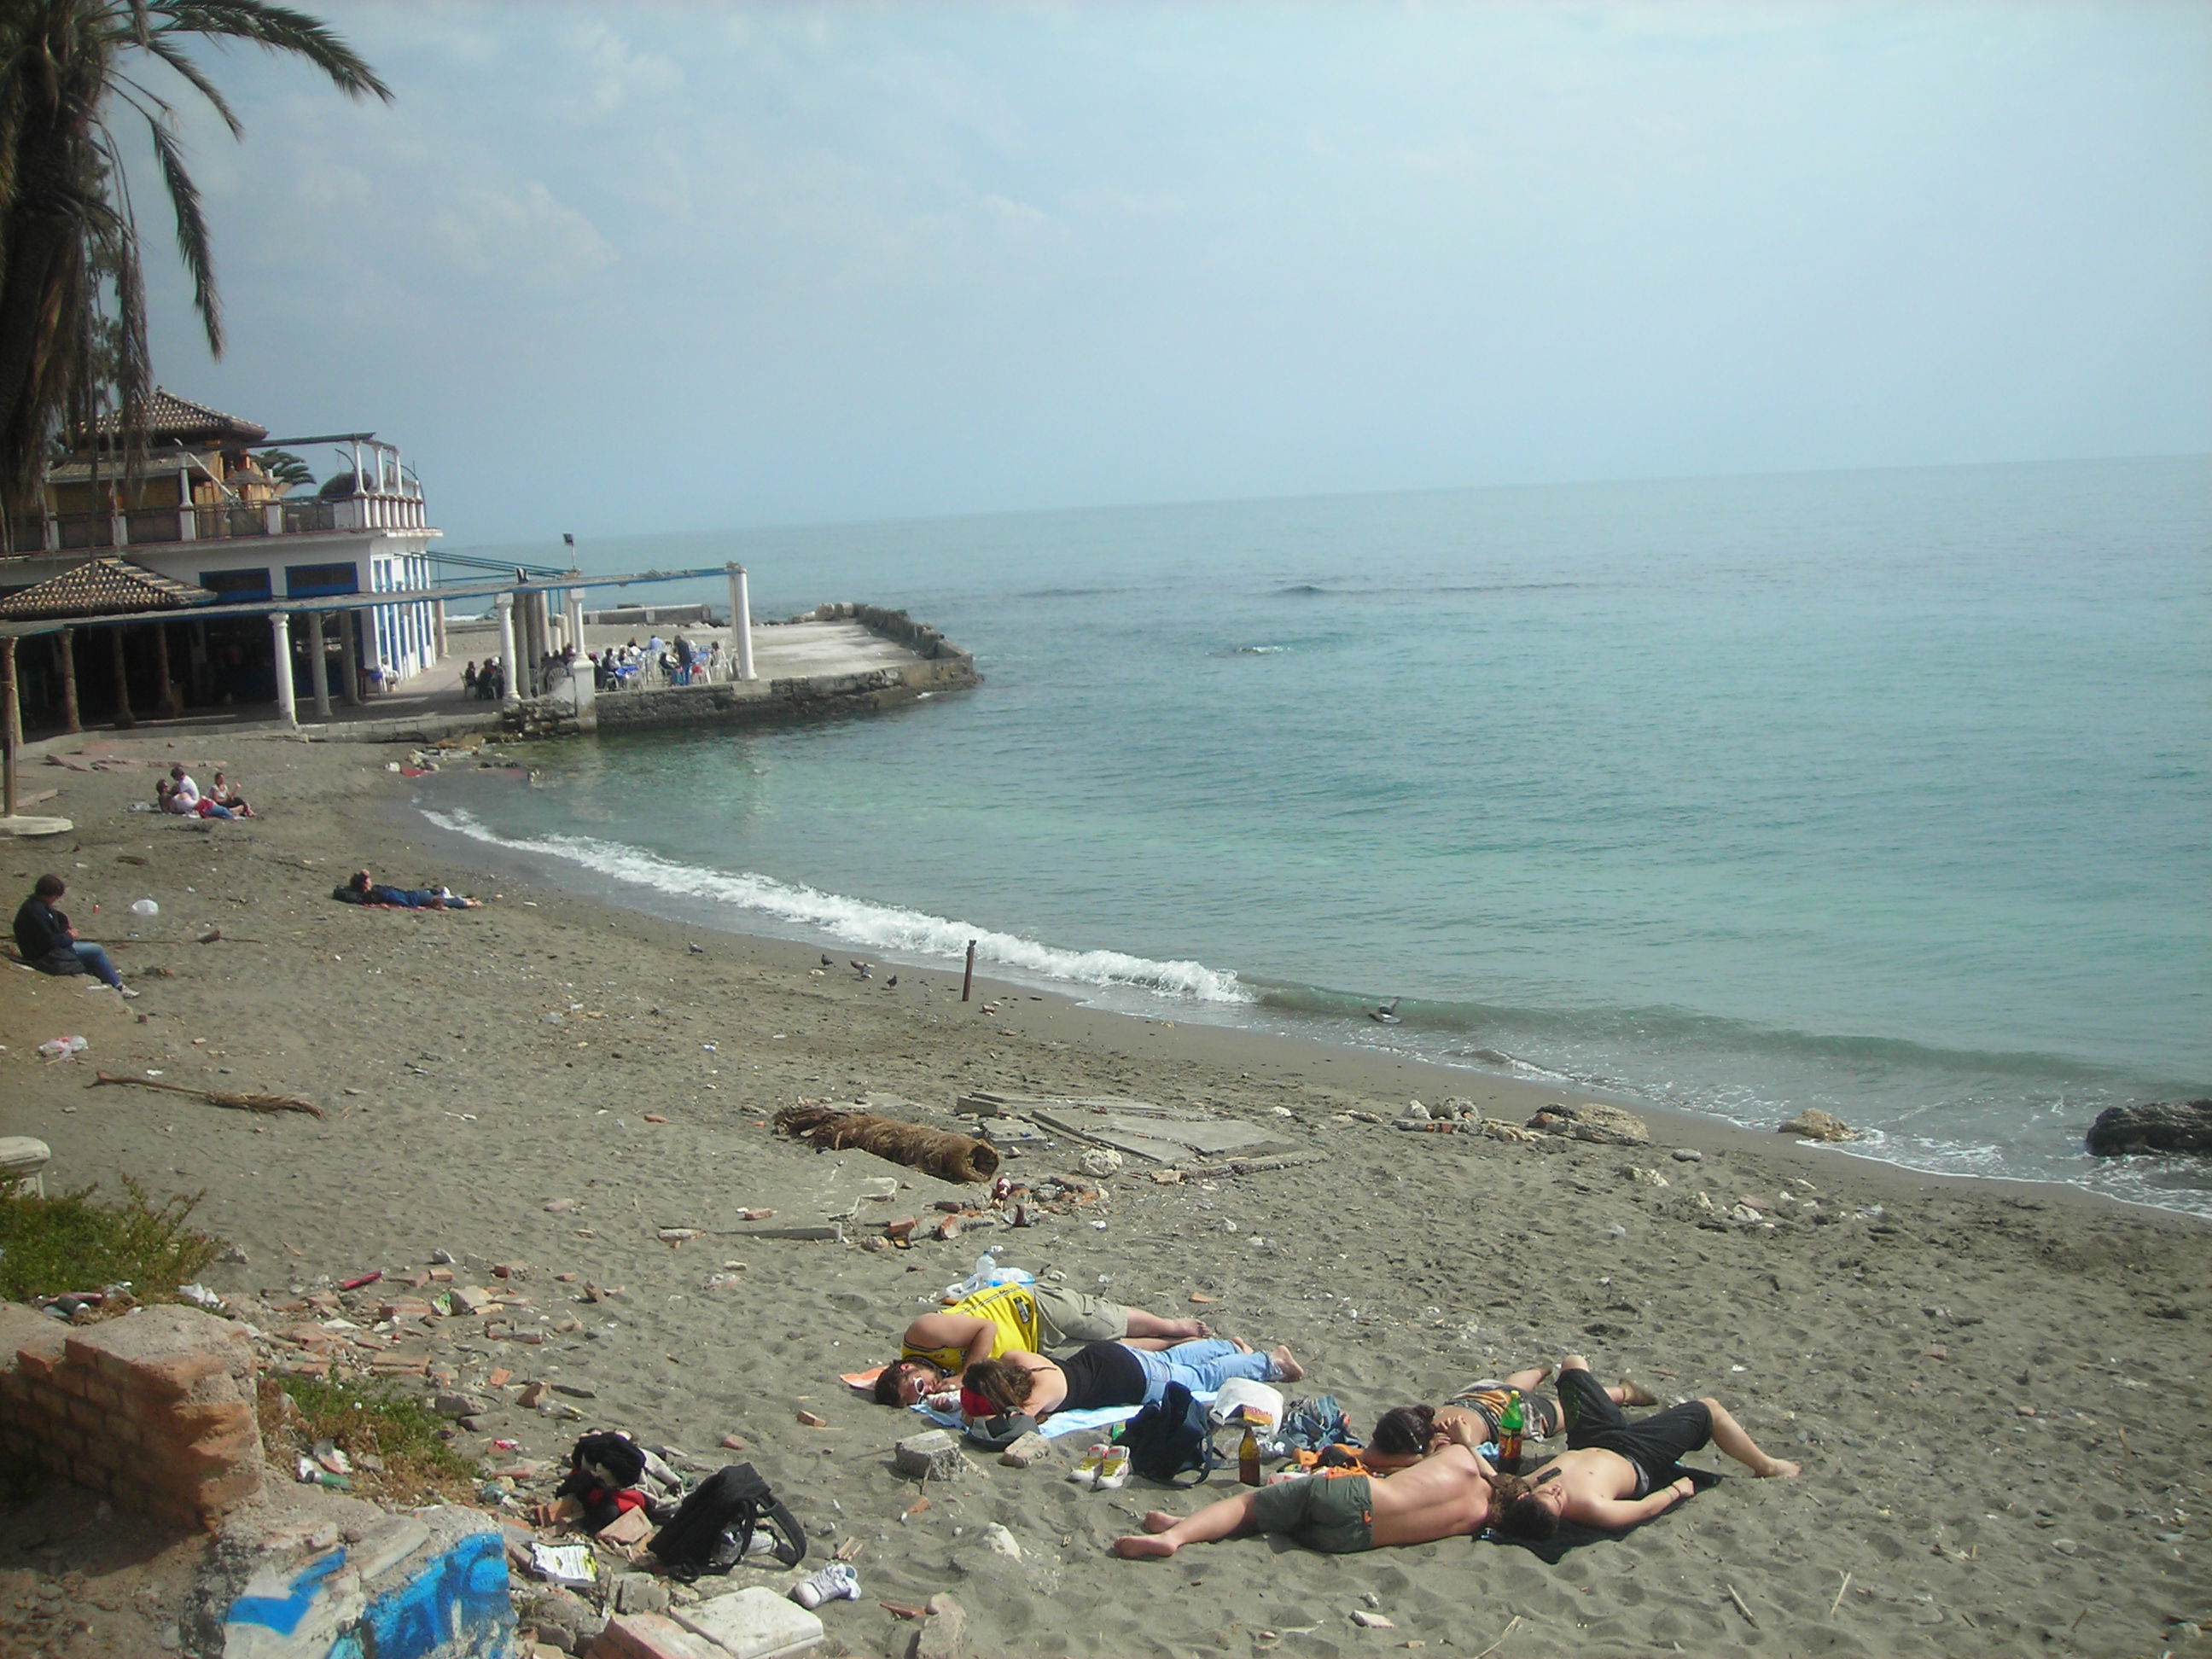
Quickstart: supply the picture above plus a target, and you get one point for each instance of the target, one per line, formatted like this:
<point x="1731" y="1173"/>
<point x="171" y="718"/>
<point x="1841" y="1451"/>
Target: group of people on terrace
<point x="1430" y="1473"/>
<point x="679" y="663"/>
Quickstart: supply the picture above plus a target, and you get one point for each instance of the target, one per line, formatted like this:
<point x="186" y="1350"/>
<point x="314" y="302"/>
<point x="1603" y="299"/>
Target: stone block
<point x="934" y="1455"/>
<point x="944" y="1634"/>
<point x="1030" y="1449"/>
<point x="754" y="1623"/>
<point x="630" y="1526"/>
<point x="652" y="1636"/>
<point x="639" y="1592"/>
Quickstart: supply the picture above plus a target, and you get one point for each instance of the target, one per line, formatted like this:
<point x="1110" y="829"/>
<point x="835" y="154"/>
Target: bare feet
<point x="1287" y="1369"/>
<point x="1184" y="1330"/>
<point x="1780" y="1468"/>
<point x="1157" y="1521"/>
<point x="1633" y="1393"/>
<point x="1140" y="1546"/>
<point x="1243" y="1346"/>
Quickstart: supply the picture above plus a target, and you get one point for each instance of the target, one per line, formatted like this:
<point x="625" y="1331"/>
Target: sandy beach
<point x="1999" y="1394"/>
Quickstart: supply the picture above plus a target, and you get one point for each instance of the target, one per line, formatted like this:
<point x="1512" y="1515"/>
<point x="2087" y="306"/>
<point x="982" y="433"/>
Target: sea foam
<point x="857" y="923"/>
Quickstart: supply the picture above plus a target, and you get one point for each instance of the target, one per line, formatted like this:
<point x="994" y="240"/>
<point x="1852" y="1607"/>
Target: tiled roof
<point x="179" y="420"/>
<point x="102" y="588"/>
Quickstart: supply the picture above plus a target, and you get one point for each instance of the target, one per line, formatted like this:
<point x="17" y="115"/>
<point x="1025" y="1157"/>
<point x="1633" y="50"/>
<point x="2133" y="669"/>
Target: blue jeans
<point x="97" y="964"/>
<point x="1202" y="1367"/>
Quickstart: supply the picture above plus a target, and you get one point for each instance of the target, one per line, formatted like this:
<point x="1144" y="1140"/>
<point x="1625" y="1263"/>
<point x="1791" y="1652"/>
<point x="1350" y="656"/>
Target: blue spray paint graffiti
<point x="454" y="1606"/>
<point x="283" y="1614"/>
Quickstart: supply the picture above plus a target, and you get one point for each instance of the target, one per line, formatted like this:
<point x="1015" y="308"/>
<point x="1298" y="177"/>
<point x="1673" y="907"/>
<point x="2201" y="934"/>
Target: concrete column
<point x="438" y="626"/>
<point x="319" y="667"/>
<point x="280" y="634"/>
<point x="70" y="721"/>
<point x="741" y="621"/>
<point x="349" y="658"/>
<point x="505" y="605"/>
<point x="576" y="616"/>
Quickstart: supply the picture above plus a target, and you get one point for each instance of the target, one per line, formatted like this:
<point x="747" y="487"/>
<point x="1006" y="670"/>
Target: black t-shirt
<point x="41" y="931"/>
<point x="1101" y="1374"/>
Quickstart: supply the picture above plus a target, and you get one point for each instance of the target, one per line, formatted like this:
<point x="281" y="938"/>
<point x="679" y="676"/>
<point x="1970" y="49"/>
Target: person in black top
<point x="50" y="945"/>
<point x="1112" y="1374"/>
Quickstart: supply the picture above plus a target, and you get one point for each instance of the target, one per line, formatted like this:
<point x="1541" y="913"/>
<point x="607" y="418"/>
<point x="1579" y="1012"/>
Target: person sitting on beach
<point x="224" y="794"/>
<point x="1614" y="1472"/>
<point x="469" y="679"/>
<point x="185" y="797"/>
<point x="363" y="889"/>
<point x="48" y="943"/>
<point x="937" y="1346"/>
<point x="1405" y="1434"/>
<point x="1112" y="1374"/>
<point x="1444" y="1495"/>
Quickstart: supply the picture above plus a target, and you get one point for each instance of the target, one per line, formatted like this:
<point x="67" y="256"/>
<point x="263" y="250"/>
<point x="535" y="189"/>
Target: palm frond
<point x="193" y="246"/>
<point x="278" y="29"/>
<point x="166" y="50"/>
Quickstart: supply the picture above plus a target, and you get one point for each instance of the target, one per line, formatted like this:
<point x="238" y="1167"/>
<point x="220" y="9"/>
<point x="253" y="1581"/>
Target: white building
<point x="204" y="510"/>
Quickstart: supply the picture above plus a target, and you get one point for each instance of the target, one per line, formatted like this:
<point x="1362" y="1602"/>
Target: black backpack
<point x="1169" y="1439"/>
<point x="714" y="1527"/>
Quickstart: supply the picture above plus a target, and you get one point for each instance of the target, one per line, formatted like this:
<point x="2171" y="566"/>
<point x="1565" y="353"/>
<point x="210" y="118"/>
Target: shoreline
<point x="1951" y="1361"/>
<point x="1420" y="1078"/>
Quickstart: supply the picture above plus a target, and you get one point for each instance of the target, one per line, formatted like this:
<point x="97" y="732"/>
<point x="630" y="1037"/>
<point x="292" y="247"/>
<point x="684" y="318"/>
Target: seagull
<point x="828" y="961"/>
<point x="892" y="981"/>
<point x="1386" y="1013"/>
<point x="698" y="950"/>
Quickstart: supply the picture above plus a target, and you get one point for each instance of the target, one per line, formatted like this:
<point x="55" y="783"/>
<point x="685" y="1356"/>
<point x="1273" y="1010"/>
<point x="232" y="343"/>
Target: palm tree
<point x="72" y="293"/>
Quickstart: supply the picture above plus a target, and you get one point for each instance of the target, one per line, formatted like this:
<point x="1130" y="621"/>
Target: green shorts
<point x="1068" y="1319"/>
<point x="1323" y="1512"/>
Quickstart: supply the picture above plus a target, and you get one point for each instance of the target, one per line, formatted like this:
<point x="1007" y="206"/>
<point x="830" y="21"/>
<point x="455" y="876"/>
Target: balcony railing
<point x="154" y="525"/>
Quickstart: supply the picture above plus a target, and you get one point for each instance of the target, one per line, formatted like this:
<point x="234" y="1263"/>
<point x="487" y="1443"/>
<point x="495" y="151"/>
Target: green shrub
<point x="372" y="1423"/>
<point x="76" y="1242"/>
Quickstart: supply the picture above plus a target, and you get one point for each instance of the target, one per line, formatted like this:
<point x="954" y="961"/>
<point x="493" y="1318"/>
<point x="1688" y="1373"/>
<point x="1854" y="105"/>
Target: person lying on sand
<point x="937" y="1346"/>
<point x="1446" y="1494"/>
<point x="1615" y="1473"/>
<point x="1405" y="1434"/>
<point x="1112" y="1374"/>
<point x="363" y="889"/>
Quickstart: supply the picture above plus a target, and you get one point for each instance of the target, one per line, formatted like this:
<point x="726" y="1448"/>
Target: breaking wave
<point x="860" y="923"/>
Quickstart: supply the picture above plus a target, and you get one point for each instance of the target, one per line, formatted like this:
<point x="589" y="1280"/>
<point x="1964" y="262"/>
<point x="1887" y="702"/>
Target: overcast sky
<point x="640" y="267"/>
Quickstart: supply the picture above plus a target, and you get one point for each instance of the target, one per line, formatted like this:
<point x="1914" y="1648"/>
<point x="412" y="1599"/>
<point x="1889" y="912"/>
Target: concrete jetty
<point x="836" y="660"/>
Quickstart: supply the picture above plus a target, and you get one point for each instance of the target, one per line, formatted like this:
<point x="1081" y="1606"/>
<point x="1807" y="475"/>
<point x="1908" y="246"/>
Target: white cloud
<point x="521" y="231"/>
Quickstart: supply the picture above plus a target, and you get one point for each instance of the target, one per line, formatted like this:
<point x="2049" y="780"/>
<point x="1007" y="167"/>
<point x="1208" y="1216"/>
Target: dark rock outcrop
<point x="2177" y="1126"/>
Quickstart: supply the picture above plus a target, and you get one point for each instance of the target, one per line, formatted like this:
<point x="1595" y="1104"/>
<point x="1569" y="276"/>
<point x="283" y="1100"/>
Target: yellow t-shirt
<point x="1011" y="1308"/>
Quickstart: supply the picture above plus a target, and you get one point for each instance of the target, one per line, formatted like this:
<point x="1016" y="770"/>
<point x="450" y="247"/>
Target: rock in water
<point x="2178" y="1126"/>
<point x="1814" y="1124"/>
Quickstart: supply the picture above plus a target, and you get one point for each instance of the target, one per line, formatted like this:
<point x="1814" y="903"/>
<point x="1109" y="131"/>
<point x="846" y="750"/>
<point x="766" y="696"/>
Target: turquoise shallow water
<point x="1889" y="793"/>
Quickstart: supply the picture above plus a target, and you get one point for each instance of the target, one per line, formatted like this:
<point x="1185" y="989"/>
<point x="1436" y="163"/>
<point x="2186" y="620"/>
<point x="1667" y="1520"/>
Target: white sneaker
<point x="835" y="1583"/>
<point x="125" y="991"/>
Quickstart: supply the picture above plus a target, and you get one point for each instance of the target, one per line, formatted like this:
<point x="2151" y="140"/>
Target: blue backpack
<point x="1169" y="1439"/>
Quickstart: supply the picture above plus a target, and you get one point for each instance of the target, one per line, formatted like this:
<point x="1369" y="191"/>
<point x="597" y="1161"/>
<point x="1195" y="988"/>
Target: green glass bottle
<point x="1511" y="1422"/>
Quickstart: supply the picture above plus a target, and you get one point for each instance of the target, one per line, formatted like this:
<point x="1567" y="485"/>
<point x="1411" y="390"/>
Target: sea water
<point x="1887" y="792"/>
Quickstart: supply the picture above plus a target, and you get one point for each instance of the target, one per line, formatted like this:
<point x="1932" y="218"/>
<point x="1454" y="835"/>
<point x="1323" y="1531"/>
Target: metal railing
<point x="229" y="522"/>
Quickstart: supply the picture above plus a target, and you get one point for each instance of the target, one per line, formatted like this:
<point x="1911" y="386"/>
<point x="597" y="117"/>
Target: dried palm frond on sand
<point x="241" y="1103"/>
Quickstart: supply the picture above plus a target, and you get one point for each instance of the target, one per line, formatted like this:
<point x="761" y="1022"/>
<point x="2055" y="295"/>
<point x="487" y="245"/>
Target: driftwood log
<point x="237" y="1103"/>
<point x="950" y="1157"/>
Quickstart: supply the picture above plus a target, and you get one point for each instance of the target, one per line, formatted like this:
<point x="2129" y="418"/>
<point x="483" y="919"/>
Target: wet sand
<point x="1999" y="1393"/>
